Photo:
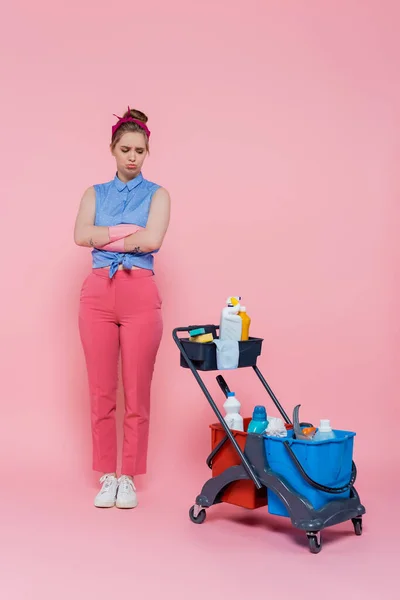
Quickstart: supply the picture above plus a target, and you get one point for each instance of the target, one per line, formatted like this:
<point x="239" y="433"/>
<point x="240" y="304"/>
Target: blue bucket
<point x="327" y="462"/>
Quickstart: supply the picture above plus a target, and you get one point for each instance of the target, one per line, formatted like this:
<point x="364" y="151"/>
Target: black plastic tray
<point x="204" y="356"/>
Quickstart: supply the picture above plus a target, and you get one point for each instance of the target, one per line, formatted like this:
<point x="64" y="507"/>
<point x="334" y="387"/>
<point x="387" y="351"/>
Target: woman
<point x="124" y="221"/>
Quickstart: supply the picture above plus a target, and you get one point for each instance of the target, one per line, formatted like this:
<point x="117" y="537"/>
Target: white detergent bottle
<point x="324" y="431"/>
<point x="233" y="418"/>
<point x="230" y="327"/>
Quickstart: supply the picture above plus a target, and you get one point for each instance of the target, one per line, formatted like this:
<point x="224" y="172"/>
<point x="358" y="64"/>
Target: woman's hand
<point x="117" y="234"/>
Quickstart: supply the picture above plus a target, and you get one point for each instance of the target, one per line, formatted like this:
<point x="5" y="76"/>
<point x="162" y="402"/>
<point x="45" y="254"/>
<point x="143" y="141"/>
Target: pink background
<point x="276" y="130"/>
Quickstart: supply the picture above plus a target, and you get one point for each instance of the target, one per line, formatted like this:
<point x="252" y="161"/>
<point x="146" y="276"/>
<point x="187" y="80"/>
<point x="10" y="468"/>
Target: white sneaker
<point x="126" y="496"/>
<point x="108" y="493"/>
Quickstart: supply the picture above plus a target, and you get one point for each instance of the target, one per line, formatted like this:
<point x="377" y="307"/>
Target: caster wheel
<point x="314" y="542"/>
<point x="201" y="517"/>
<point x="357" y="523"/>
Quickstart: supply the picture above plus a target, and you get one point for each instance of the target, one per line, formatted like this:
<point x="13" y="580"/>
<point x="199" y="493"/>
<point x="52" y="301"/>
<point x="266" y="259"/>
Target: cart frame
<point x="254" y="466"/>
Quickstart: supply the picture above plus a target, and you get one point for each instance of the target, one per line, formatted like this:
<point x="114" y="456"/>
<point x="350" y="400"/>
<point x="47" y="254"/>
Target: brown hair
<point x="131" y="126"/>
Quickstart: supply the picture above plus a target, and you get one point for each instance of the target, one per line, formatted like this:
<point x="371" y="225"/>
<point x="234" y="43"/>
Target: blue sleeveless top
<point x="123" y="203"/>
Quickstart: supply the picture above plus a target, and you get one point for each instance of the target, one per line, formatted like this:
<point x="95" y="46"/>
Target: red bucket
<point x="241" y="493"/>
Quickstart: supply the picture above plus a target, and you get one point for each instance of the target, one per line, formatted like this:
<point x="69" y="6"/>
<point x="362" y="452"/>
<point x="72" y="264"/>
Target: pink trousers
<point x="122" y="313"/>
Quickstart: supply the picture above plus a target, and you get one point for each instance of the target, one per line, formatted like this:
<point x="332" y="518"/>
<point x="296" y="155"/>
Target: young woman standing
<point x="124" y="221"/>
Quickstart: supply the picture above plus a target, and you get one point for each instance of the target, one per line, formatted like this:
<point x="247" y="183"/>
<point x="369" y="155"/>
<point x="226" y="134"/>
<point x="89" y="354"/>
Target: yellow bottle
<point x="245" y="323"/>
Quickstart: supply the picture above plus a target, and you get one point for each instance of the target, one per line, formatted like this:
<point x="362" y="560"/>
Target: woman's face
<point x="130" y="153"/>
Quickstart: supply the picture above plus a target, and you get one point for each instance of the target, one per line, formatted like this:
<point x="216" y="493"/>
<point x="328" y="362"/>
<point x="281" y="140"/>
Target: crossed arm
<point x="123" y="238"/>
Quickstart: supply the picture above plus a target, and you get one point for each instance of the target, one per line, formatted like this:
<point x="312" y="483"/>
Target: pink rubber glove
<point x="117" y="246"/>
<point x="117" y="232"/>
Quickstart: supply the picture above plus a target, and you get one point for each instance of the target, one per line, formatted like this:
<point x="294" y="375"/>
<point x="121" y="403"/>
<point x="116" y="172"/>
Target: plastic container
<point x="204" y="356"/>
<point x="259" y="422"/>
<point x="233" y="418"/>
<point x="245" y="323"/>
<point x="327" y="462"/>
<point x="324" y="431"/>
<point x="240" y="493"/>
<point x="231" y="324"/>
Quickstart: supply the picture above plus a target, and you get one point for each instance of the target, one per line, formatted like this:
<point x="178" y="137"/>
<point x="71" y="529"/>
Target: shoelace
<point x="126" y="485"/>
<point x="107" y="480"/>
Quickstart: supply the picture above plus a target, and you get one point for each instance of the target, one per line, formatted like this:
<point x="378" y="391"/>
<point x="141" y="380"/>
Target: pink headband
<point x="129" y="120"/>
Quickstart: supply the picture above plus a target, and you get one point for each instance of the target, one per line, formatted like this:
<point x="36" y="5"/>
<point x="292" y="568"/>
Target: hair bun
<point x="136" y="114"/>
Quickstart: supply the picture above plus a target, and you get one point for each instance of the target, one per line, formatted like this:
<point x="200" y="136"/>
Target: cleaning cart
<point x="312" y="483"/>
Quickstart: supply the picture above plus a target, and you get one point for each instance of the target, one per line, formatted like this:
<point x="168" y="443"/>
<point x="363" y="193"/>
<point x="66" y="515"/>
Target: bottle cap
<point x="325" y="425"/>
<point x="259" y="413"/>
<point x="236" y="299"/>
<point x="230" y="394"/>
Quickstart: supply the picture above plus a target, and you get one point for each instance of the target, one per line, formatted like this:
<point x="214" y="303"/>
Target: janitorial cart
<point x="310" y="482"/>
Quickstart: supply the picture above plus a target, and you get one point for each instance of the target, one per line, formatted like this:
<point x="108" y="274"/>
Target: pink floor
<point x="57" y="545"/>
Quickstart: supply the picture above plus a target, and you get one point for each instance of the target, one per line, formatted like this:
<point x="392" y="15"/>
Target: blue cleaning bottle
<point x="259" y="422"/>
<point x="324" y="431"/>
